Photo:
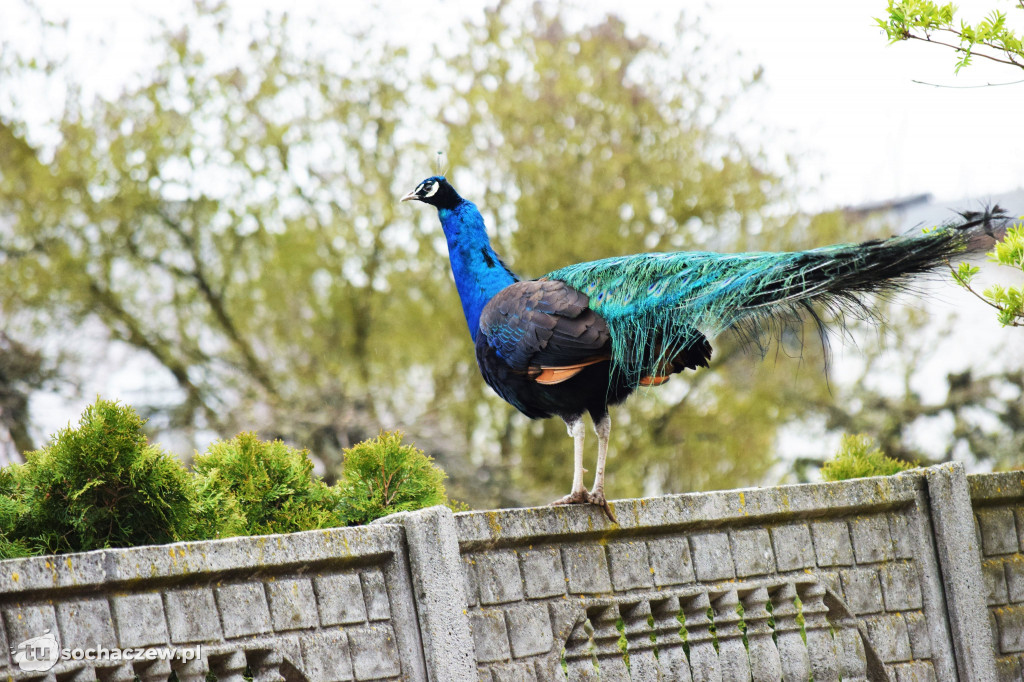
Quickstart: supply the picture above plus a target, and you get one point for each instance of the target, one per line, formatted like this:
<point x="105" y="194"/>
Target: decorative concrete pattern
<point x="556" y="592"/>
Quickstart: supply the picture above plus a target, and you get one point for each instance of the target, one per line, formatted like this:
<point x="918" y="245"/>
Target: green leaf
<point x="965" y="273"/>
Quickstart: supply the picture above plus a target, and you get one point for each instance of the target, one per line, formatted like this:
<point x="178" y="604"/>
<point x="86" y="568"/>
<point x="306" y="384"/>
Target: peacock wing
<point x="545" y="329"/>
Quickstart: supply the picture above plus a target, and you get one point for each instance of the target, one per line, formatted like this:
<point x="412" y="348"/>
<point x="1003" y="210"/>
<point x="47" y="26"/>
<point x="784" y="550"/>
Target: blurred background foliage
<point x="232" y="217"/>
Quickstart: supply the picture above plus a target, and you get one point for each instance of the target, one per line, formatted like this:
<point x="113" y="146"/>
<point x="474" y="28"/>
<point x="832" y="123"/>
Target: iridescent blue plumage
<point x="479" y="273"/>
<point x="586" y="336"/>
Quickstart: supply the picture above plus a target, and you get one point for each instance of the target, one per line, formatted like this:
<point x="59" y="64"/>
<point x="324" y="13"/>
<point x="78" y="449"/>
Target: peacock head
<point x="435" y="191"/>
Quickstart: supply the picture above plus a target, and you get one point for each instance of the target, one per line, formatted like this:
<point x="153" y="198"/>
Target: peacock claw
<point x="595" y="498"/>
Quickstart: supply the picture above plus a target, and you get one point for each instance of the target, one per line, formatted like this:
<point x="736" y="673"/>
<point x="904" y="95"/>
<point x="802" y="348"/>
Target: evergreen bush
<point x="102" y="485"/>
<point x="859" y="457"/>
<point x="383" y="476"/>
<point x="216" y="512"/>
<point x="13" y="511"/>
<point x="272" y="484"/>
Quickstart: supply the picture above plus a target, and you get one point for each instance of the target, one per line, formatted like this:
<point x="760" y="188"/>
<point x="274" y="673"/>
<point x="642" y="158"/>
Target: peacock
<point x="586" y="336"/>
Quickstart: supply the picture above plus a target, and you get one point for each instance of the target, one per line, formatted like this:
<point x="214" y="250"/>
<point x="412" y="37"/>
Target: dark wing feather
<point x="543" y="323"/>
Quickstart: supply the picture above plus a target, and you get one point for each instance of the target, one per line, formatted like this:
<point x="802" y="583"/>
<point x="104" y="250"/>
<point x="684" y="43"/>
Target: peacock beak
<point x="411" y="195"/>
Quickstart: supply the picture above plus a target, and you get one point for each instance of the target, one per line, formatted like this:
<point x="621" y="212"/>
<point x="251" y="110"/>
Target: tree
<point x="232" y="216"/>
<point x="979" y="408"/>
<point x="232" y="222"/>
<point x="993" y="39"/>
<point x="236" y="222"/>
<point x="924" y="392"/>
<point x="984" y="410"/>
<point x="22" y="370"/>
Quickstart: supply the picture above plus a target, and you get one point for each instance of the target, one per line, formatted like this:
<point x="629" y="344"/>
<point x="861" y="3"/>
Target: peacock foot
<point x="575" y="497"/>
<point x="595" y="498"/>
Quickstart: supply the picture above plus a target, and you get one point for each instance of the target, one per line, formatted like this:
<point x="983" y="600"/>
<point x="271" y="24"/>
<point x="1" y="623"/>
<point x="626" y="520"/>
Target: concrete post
<point x="960" y="565"/>
<point x="437" y="580"/>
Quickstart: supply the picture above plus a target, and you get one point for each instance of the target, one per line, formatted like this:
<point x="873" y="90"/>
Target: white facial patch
<point x="432" y="192"/>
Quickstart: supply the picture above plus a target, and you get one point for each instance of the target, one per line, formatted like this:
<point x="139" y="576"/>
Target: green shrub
<point x="103" y="485"/>
<point x="13" y="514"/>
<point x="383" y="476"/>
<point x="859" y="457"/>
<point x="216" y="512"/>
<point x="272" y="485"/>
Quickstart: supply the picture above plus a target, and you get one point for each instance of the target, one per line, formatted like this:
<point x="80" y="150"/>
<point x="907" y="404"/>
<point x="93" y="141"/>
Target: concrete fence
<point x="919" y="576"/>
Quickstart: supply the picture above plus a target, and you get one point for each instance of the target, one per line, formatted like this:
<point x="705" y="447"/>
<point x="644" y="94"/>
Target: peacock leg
<point x="603" y="428"/>
<point x="579" y="493"/>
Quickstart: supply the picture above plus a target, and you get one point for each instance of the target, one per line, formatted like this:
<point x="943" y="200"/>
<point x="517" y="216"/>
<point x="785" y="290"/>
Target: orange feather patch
<point x="556" y="375"/>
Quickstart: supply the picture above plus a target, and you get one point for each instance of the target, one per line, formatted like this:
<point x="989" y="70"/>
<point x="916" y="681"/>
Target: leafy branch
<point x="993" y="40"/>
<point x="928" y="21"/>
<point x="1008" y="301"/>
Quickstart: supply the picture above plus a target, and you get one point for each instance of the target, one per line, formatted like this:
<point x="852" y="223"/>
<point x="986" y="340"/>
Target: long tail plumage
<point x="659" y="304"/>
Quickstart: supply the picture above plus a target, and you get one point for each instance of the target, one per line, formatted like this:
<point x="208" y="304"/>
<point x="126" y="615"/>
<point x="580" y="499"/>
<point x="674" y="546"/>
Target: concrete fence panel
<point x="322" y="606"/>
<point x="836" y="580"/>
<point x="998" y="504"/>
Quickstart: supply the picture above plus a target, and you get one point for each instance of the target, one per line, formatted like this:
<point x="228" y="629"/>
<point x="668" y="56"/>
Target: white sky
<point x="863" y="129"/>
<point x="850" y="101"/>
<point x="839" y="97"/>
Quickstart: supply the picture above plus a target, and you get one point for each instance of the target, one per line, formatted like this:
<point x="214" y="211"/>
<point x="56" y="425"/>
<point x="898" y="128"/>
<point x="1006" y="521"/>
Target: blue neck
<point x="479" y="273"/>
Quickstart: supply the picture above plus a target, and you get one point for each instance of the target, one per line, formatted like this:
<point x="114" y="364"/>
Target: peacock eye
<point x="431" y="189"/>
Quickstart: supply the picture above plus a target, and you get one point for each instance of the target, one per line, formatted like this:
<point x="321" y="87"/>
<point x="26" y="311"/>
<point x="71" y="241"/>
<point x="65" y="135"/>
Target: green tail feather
<point x="658" y="304"/>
